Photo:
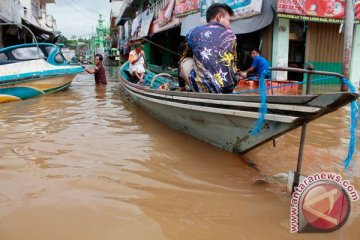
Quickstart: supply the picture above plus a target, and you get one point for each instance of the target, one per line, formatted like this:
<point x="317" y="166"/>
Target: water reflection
<point x="91" y="161"/>
<point x="100" y="92"/>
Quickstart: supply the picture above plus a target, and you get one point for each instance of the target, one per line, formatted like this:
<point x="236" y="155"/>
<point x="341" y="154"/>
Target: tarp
<point x="240" y="26"/>
<point x="141" y="25"/>
<point x="10" y="11"/>
<point x="331" y="11"/>
<point x="31" y="67"/>
<point x="135" y="26"/>
<point x="145" y="23"/>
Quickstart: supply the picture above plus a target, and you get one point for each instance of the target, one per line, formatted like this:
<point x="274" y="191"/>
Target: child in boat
<point x="137" y="63"/>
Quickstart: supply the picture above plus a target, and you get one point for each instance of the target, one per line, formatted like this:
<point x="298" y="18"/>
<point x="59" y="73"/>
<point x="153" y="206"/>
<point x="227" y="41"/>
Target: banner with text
<point x="329" y="11"/>
<point x="186" y="7"/>
<point x="241" y="8"/>
<point x="166" y="13"/>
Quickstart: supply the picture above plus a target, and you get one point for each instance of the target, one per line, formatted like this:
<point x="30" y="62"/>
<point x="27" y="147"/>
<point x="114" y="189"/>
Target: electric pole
<point x="348" y="39"/>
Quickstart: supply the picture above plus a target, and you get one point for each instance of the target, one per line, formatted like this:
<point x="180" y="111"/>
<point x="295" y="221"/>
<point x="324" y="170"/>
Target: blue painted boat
<point x="30" y="70"/>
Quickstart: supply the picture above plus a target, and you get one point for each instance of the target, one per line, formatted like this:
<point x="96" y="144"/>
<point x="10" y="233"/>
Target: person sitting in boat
<point x="259" y="64"/>
<point x="137" y="63"/>
<point x="98" y="71"/>
<point x="212" y="68"/>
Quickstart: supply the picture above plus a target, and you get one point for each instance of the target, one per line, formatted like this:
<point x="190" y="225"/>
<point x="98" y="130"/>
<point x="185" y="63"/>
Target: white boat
<point x="30" y="70"/>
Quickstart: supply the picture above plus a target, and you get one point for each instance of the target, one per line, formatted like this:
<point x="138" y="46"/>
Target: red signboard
<point x="315" y="10"/>
<point x="155" y="27"/>
<point x="165" y="15"/>
<point x="186" y="7"/>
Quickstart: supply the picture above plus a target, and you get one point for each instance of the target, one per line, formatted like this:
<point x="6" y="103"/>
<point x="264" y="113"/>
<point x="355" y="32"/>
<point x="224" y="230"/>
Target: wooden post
<point x="348" y="39"/>
<point x="1" y="37"/>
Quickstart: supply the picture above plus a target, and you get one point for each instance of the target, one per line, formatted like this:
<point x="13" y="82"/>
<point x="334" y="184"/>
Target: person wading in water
<point x="98" y="70"/>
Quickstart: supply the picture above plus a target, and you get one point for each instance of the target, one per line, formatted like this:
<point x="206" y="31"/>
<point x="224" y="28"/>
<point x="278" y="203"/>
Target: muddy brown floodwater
<point x="87" y="163"/>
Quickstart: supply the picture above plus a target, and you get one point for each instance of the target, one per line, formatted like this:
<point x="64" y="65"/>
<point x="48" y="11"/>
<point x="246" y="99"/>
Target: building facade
<point x="31" y="14"/>
<point x="284" y="41"/>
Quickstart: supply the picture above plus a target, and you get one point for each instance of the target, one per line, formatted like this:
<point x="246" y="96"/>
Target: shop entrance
<point x="297" y="41"/>
<point x="245" y="44"/>
<point x="171" y="40"/>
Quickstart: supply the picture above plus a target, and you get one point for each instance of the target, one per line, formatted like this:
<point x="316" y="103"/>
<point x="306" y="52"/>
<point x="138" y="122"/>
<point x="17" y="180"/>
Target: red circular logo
<point x="325" y="206"/>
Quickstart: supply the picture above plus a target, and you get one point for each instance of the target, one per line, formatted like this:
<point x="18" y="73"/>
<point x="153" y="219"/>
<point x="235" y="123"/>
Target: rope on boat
<point x="354" y="115"/>
<point x="263" y="106"/>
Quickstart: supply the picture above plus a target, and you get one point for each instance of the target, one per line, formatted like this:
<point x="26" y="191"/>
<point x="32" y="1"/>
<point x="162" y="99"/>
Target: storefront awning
<point x="240" y="26"/>
<point x="36" y="29"/>
<point x="126" y="12"/>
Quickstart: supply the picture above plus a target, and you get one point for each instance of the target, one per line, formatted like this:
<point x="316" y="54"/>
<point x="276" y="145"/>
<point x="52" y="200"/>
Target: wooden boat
<point x="225" y="120"/>
<point x="30" y="70"/>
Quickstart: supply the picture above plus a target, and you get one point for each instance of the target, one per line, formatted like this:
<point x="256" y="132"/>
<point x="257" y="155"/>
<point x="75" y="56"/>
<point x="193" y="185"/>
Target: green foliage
<point x="74" y="42"/>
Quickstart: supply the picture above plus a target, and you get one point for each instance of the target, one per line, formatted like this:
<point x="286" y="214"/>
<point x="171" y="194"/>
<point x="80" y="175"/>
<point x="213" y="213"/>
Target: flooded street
<point x="87" y="163"/>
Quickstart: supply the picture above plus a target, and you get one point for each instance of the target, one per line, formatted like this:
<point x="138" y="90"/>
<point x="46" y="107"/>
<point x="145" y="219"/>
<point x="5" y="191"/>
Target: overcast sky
<point x="78" y="17"/>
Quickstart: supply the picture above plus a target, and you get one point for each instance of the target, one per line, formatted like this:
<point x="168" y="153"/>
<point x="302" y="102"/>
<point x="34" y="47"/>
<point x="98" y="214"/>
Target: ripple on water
<point x="103" y="168"/>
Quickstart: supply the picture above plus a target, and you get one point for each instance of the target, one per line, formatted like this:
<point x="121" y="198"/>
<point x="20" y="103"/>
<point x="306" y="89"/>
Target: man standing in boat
<point x="98" y="71"/>
<point x="213" y="50"/>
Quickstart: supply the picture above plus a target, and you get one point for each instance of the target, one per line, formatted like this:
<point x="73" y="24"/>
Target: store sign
<point x="241" y="8"/>
<point x="186" y="7"/>
<point x="10" y="11"/>
<point x="331" y="11"/>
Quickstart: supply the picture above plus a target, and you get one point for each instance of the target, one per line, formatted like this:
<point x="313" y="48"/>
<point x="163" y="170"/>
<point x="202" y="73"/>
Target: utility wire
<point x="87" y="9"/>
<point x="77" y="10"/>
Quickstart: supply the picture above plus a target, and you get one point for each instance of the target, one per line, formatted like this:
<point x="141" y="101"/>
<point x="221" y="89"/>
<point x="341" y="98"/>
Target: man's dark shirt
<point x="100" y="78"/>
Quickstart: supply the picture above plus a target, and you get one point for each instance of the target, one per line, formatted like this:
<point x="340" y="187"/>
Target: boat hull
<point x="225" y="131"/>
<point x="24" y="89"/>
<point x="226" y="120"/>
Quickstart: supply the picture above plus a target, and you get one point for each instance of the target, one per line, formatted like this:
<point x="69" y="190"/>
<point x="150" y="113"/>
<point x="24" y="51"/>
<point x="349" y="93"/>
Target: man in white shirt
<point x="137" y="62"/>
